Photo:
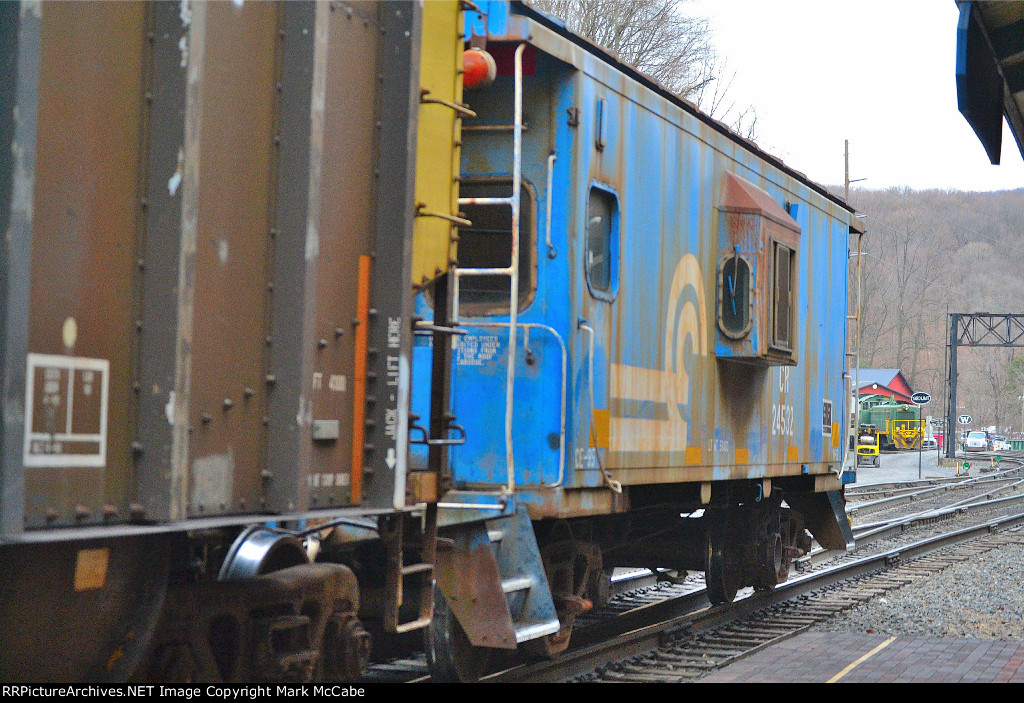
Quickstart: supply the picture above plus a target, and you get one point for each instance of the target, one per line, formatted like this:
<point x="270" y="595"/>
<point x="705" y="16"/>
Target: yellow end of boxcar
<point x="437" y="142"/>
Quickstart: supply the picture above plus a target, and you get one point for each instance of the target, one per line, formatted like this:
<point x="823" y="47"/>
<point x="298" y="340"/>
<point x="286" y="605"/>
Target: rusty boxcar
<point x="653" y="365"/>
<point x="213" y="223"/>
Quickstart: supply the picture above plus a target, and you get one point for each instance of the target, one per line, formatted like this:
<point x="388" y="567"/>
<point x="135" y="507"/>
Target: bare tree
<point x="658" y="38"/>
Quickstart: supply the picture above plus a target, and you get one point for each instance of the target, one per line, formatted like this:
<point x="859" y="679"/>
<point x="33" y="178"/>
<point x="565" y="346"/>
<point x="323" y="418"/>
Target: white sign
<point x="66" y="411"/>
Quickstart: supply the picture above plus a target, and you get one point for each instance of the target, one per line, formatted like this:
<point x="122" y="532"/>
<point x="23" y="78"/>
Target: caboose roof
<point x="498" y="24"/>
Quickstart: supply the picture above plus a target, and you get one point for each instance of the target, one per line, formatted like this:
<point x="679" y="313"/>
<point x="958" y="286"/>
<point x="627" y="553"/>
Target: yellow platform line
<point x="860" y="661"/>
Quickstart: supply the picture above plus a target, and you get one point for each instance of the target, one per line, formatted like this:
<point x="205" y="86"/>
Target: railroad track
<point x="651" y="606"/>
<point x="691" y="646"/>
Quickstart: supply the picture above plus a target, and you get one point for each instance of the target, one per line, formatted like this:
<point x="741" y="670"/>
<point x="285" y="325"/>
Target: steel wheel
<point x="550" y="646"/>
<point x="774" y="565"/>
<point x="721" y="575"/>
<point x="450" y="655"/>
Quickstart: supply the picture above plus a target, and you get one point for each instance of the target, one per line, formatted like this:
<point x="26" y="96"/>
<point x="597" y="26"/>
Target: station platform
<point x="838" y="657"/>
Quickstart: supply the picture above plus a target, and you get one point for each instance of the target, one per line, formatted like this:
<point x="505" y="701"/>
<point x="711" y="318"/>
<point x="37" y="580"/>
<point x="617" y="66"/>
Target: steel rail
<point x="650" y="627"/>
<point x="908" y="497"/>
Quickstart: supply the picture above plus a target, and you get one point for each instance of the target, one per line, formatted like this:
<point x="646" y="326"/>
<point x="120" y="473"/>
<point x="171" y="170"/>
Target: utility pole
<point x="846" y="171"/>
<point x="846" y="161"/>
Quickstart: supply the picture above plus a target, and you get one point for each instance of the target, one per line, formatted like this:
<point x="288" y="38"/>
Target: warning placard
<point x="66" y="411"/>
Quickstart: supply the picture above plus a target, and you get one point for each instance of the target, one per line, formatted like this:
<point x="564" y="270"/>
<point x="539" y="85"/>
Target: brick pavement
<point x="816" y="657"/>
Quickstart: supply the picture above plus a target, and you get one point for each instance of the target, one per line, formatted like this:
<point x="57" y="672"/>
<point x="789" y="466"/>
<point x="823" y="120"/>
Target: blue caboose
<point x="651" y="369"/>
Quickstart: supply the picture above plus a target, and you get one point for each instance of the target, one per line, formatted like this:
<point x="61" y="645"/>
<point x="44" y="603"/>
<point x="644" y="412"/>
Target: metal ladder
<point x="393" y="530"/>
<point x="523" y="580"/>
<point x="512" y="271"/>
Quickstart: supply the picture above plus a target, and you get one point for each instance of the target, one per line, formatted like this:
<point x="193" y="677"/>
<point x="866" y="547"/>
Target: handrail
<point x="615" y="486"/>
<point x="460" y="109"/>
<point x="552" y="252"/>
<point x="512" y="271"/>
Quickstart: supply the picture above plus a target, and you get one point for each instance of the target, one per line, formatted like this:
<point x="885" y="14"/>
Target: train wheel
<point x="774" y="565"/>
<point x="722" y="572"/>
<point x="450" y="655"/>
<point x="549" y="646"/>
<point x="567" y="607"/>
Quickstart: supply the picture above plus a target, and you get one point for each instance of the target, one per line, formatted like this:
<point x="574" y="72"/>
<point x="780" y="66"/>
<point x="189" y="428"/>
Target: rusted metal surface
<point x="76" y="611"/>
<point x="287" y="625"/>
<point x="85" y="244"/>
<point x="467" y="575"/>
<point x="207" y="178"/>
<point x="346" y="200"/>
<point x="232" y="247"/>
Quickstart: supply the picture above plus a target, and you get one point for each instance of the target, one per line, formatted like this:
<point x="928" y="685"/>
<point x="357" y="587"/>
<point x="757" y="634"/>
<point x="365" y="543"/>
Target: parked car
<point x="928" y="443"/>
<point x="976" y="441"/>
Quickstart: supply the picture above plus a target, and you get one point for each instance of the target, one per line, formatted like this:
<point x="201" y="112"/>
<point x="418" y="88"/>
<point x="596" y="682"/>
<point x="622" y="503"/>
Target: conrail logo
<point x="666" y="391"/>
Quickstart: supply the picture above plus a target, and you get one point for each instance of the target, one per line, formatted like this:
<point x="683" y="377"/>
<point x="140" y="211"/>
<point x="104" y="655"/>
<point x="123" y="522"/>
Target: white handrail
<point x="512" y="271"/>
<point x="552" y="252"/>
<point x="615" y="486"/>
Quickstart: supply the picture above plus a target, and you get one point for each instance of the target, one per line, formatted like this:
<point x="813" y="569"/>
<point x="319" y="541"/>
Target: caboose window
<point x="734" y="296"/>
<point x="488" y="244"/>
<point x="602" y="230"/>
<point x="783" y="264"/>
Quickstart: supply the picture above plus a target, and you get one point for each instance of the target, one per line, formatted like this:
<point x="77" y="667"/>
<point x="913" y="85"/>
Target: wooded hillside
<point x="930" y="253"/>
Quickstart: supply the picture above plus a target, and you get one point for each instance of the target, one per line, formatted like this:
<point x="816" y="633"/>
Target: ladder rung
<point x="492" y="127"/>
<point x="414" y="625"/>
<point x="531" y="629"/>
<point x="485" y="272"/>
<point x="485" y="201"/>
<point x="517" y="583"/>
<point x="416" y="568"/>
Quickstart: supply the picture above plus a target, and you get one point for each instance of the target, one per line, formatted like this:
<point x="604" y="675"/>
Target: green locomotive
<point x="899" y="425"/>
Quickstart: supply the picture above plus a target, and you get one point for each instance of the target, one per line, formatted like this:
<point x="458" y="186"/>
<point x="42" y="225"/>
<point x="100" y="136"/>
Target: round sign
<point x="920" y="398"/>
<point x="965" y="419"/>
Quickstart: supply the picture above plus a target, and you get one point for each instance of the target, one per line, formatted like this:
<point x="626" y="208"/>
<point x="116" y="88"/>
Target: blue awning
<point x="990" y="71"/>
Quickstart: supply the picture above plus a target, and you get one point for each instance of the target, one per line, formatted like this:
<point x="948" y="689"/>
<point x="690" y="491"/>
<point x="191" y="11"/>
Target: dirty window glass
<point x="782" y="296"/>
<point x="734" y="297"/>
<point x="602" y="211"/>
<point x="488" y="244"/>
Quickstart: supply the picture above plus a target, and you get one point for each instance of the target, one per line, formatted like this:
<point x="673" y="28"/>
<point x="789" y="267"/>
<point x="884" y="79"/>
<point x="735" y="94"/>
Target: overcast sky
<point x="880" y="74"/>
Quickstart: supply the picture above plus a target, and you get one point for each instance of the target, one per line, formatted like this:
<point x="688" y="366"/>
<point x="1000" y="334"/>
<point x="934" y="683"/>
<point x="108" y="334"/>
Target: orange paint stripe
<point x="359" y="378"/>
<point x="599" y="435"/>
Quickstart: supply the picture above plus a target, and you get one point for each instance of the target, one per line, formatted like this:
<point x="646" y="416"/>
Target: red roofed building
<point x="888" y="382"/>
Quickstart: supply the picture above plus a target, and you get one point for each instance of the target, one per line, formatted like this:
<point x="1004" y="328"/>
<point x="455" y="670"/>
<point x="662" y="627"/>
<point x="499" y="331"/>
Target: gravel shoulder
<point x="978" y="599"/>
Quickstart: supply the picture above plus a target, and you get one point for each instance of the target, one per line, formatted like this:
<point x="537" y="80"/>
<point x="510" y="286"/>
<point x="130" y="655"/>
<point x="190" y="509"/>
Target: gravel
<point x="977" y="599"/>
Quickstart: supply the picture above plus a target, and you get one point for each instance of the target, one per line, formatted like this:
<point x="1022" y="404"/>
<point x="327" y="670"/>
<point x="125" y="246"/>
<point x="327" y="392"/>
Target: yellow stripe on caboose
<point x="599" y="438"/>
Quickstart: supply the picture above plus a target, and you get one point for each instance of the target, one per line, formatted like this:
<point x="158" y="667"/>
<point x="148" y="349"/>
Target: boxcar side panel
<point x="232" y="248"/>
<point x="85" y="243"/>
